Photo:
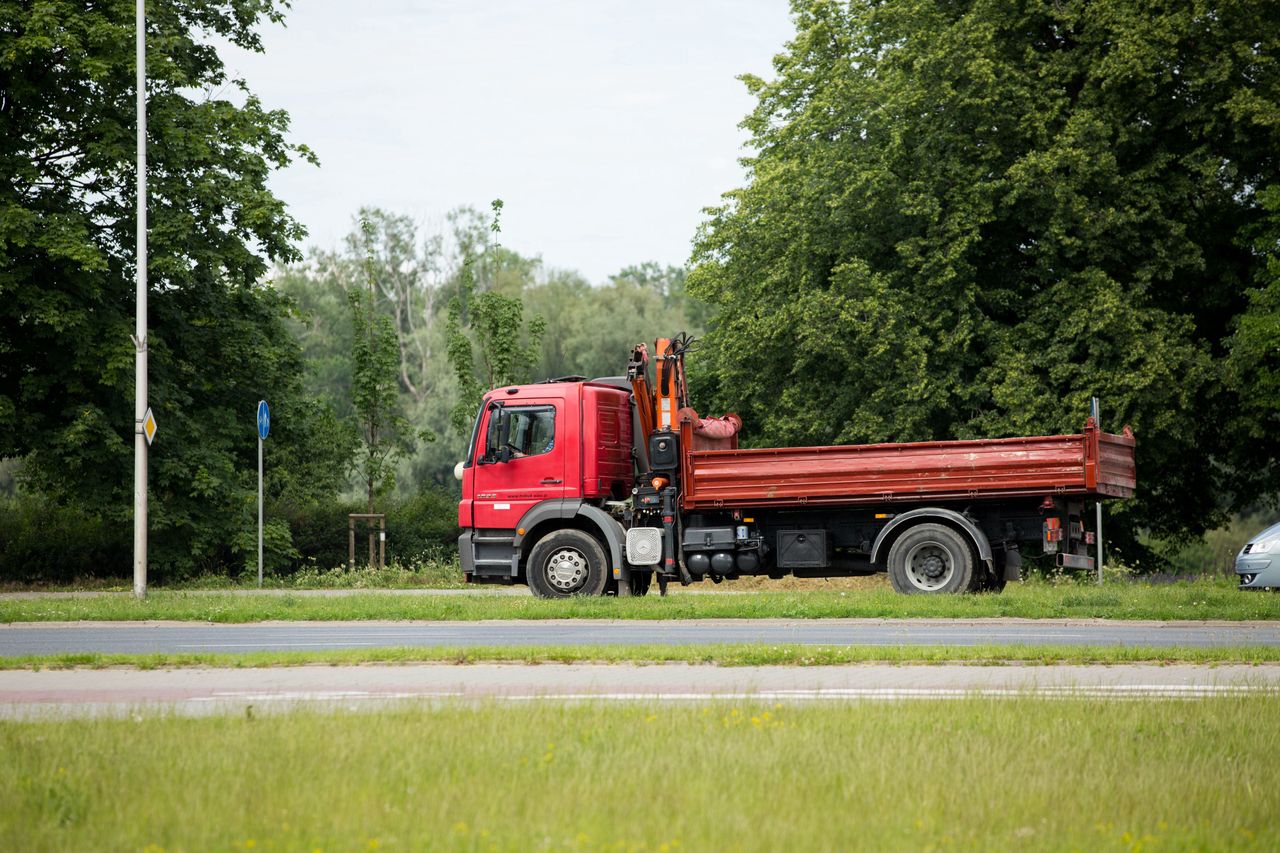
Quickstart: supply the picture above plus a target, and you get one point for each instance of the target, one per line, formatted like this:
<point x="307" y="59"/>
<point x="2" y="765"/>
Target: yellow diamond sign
<point x="149" y="426"/>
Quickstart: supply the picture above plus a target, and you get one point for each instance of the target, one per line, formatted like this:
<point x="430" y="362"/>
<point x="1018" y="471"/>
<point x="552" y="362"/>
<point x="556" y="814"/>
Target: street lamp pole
<point x="140" y="326"/>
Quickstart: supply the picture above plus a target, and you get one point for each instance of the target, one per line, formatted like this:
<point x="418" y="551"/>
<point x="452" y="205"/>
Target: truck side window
<point x="532" y="433"/>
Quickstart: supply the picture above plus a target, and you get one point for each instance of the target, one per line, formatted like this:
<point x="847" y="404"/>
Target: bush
<point x="419" y="528"/>
<point x="1214" y="553"/>
<point x="43" y="543"/>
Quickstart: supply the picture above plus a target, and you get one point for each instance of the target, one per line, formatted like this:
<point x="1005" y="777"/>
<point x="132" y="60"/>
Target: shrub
<point x="419" y="528"/>
<point x="41" y="542"/>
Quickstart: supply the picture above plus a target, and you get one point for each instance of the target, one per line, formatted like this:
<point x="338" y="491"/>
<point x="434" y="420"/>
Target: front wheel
<point x="931" y="559"/>
<point x="566" y="563"/>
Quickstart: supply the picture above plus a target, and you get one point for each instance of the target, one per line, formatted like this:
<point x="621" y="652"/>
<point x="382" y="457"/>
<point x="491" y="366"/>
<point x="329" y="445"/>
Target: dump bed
<point x="1091" y="463"/>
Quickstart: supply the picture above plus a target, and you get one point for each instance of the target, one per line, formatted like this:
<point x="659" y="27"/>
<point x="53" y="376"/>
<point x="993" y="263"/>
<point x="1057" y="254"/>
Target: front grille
<point x="1247" y="548"/>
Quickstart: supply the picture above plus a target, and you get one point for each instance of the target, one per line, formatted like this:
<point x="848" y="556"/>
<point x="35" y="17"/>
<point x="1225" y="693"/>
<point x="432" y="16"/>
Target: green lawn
<point x="718" y="655"/>
<point x="975" y="773"/>
<point x="1193" y="600"/>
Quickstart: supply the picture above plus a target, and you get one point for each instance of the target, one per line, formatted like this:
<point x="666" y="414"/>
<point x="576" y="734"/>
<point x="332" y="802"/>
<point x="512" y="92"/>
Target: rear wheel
<point x="931" y="559"/>
<point x="566" y="563"/>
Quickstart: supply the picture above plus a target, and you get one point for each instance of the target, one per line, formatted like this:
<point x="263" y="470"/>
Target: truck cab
<point x="548" y="457"/>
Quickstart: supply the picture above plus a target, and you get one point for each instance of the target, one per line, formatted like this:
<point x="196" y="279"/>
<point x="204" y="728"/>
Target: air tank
<point x="722" y="563"/>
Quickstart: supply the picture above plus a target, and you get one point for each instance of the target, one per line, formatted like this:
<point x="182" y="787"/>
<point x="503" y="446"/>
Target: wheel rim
<point x="567" y="569"/>
<point x="930" y="566"/>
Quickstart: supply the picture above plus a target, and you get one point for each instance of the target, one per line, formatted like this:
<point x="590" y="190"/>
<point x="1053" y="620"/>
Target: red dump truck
<point x="593" y="487"/>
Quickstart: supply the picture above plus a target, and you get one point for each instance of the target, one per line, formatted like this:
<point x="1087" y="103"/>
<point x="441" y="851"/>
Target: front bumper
<point x="1258" y="571"/>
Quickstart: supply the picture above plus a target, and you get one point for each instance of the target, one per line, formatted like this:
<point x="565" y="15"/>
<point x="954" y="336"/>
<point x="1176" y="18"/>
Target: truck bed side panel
<point x="881" y="473"/>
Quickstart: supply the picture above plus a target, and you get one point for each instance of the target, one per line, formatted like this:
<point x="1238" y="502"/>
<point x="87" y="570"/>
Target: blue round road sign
<point x="264" y="420"/>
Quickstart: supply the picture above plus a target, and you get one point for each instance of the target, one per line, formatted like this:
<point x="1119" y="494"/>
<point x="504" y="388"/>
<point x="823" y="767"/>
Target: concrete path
<point x="178" y="637"/>
<point x="204" y="691"/>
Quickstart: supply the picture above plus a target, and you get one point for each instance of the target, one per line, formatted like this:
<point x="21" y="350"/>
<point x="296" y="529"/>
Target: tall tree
<point x="492" y="322"/>
<point x="375" y="394"/>
<point x="965" y="218"/>
<point x="216" y="337"/>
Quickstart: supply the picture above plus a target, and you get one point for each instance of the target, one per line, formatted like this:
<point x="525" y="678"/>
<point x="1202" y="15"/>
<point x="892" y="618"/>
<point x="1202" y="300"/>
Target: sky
<point x="605" y="126"/>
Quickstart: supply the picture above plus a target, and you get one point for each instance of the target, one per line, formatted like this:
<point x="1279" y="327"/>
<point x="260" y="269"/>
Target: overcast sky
<point x="606" y="126"/>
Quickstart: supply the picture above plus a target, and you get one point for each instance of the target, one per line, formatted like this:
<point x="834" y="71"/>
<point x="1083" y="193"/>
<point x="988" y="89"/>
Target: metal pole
<point x="259" y="510"/>
<point x="140" y="325"/>
<point x="1099" y="541"/>
<point x="1095" y="411"/>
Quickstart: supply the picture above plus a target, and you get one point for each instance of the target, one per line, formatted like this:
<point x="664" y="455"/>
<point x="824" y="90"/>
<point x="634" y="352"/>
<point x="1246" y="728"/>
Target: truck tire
<point x="566" y="563"/>
<point x="932" y="559"/>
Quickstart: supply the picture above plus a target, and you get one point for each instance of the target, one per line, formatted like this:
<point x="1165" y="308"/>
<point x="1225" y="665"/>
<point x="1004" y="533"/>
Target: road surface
<point x="28" y="694"/>
<point x="180" y="637"/>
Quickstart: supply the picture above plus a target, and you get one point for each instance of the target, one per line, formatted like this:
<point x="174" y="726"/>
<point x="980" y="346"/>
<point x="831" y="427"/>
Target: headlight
<point x="1262" y="546"/>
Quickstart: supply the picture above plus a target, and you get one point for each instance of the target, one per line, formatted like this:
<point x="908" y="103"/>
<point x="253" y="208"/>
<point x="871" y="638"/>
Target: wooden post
<point x="377" y="553"/>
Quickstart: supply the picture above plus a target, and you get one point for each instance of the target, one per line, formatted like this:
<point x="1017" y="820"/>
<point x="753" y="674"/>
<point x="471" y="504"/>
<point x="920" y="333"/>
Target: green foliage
<point x="965" y="219"/>
<point x="217" y="339"/>
<point x="1254" y="364"/>
<point x="590" y="330"/>
<point x="375" y="359"/>
<point x="419" y="527"/>
<point x="43" y="543"/>
<point x="493" y="322"/>
<point x="1215" y="552"/>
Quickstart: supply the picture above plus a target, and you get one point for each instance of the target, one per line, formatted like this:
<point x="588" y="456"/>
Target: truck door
<point x="522" y="462"/>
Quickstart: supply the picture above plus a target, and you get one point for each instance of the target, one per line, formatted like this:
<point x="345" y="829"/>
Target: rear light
<point x="1052" y="534"/>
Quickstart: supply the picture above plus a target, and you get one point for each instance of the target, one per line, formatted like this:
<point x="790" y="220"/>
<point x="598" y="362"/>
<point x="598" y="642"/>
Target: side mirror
<point x="504" y="436"/>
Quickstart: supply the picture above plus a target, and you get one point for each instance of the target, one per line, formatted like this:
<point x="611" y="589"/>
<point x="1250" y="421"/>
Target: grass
<point x="1021" y="773"/>
<point x="427" y="572"/>
<point x="1197" y="600"/>
<point x="718" y="655"/>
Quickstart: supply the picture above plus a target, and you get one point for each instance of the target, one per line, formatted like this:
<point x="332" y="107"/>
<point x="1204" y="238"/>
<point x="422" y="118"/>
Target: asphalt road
<point x="174" y="637"/>
<point x="28" y="694"/>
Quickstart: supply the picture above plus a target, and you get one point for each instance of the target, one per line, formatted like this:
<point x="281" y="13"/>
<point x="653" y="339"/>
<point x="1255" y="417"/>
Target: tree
<point x="375" y="395"/>
<point x="1253" y="368"/>
<point x="494" y="323"/>
<point x="964" y="219"/>
<point x="217" y="337"/>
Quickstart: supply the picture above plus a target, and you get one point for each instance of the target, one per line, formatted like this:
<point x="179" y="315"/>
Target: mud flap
<point x="1012" y="564"/>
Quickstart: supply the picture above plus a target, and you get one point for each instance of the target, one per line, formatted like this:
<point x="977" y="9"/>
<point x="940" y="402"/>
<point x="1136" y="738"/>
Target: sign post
<point x="1096" y="411"/>
<point x="264" y="427"/>
<point x="141" y="412"/>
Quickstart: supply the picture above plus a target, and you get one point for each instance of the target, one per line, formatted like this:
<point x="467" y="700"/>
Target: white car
<point x="1258" y="563"/>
